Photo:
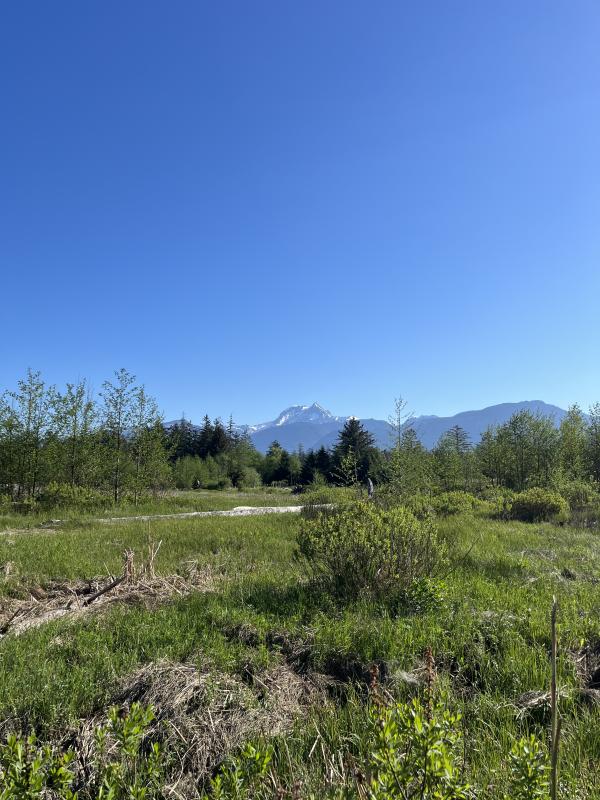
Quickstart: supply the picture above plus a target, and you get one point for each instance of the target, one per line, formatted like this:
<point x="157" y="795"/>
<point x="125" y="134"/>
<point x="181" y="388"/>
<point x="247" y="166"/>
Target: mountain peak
<point x="313" y="414"/>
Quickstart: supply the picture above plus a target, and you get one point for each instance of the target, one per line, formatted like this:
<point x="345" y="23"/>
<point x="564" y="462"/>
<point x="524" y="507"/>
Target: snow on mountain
<point x="314" y="414"/>
<point x="312" y="426"/>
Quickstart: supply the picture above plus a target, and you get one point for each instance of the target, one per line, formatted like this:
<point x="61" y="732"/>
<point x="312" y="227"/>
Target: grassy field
<point x="490" y="636"/>
<point x="168" y="503"/>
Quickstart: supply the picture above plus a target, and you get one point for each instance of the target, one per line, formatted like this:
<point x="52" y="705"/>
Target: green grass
<point x="492" y="626"/>
<point x="169" y="503"/>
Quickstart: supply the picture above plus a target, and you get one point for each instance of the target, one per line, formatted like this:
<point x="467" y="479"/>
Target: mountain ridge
<point x="312" y="426"/>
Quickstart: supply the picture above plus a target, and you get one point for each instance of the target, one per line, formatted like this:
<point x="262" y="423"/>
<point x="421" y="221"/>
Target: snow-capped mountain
<point x="313" y="426"/>
<point x="314" y="414"/>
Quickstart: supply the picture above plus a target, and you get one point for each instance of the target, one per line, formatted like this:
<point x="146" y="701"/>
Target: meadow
<point x="234" y="610"/>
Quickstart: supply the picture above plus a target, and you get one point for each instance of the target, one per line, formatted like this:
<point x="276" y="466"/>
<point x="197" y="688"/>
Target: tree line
<point x="117" y="444"/>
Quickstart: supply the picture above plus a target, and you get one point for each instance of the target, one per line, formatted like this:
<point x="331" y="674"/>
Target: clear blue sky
<point x="254" y="204"/>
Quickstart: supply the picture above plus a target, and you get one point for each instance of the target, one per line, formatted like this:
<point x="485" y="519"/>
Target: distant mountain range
<point x="313" y="426"/>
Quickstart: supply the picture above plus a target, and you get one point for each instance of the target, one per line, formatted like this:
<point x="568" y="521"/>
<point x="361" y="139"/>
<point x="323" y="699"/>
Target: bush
<point x="364" y="550"/>
<point x="122" y="769"/>
<point x="78" y="497"/>
<point x="539" y="505"/>
<point x="578" y="494"/>
<point x="449" y="503"/>
<point x="420" y="505"/>
<point x="219" y="483"/>
<point x="249" y="478"/>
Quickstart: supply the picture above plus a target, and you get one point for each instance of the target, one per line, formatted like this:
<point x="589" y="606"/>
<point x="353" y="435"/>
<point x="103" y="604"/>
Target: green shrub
<point x="364" y="550"/>
<point x="250" y="478"/>
<point x="64" y="495"/>
<point x="578" y="494"/>
<point x="538" y="505"/>
<point x="28" y="770"/>
<point x="218" y="483"/>
<point x="415" y="749"/>
<point x="420" y="505"/>
<point x="529" y="770"/>
<point x="121" y="770"/>
<point x="447" y="504"/>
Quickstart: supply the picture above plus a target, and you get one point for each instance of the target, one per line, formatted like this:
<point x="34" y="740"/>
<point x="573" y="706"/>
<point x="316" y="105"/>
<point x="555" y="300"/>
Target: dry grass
<point x="77" y="599"/>
<point x="202" y="716"/>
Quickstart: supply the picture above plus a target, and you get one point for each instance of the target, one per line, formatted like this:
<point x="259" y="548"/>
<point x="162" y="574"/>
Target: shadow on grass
<point x="282" y="601"/>
<point x="494" y="568"/>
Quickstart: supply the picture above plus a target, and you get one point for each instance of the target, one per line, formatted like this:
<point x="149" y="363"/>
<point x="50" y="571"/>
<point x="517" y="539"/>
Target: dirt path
<point x="239" y="511"/>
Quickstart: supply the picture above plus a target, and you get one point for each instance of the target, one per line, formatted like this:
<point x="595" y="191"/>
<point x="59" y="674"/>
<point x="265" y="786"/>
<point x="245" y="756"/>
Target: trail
<point x="238" y="511"/>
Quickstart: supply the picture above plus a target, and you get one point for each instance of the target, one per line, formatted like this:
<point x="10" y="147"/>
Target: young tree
<point x="409" y="465"/>
<point x="117" y="421"/>
<point x="147" y="444"/>
<point x="399" y="419"/>
<point x="592" y="450"/>
<point x="9" y="440"/>
<point x="31" y="402"/>
<point x="453" y="459"/>
<point x="573" y="436"/>
<point x="73" y="419"/>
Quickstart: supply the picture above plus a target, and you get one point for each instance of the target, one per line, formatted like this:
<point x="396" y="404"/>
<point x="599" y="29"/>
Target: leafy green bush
<point x="65" y="495"/>
<point x="218" y="483"/>
<point x="420" y="505"/>
<point x="28" y="770"/>
<point x="415" y="750"/>
<point x="250" y="478"/>
<point x="578" y="494"/>
<point x="319" y="494"/>
<point x="529" y="770"/>
<point x="240" y="777"/>
<point x="538" y="505"/>
<point x="364" y="550"/>
<point x="447" y="504"/>
<point x="121" y="771"/>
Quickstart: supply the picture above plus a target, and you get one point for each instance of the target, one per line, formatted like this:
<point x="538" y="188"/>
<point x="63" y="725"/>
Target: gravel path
<point x="239" y="511"/>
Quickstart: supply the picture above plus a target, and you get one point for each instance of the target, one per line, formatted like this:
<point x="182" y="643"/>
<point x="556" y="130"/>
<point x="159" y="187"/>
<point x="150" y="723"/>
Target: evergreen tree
<point x="354" y="453"/>
<point x="309" y="467"/>
<point x="219" y="440"/>
<point x="205" y="438"/>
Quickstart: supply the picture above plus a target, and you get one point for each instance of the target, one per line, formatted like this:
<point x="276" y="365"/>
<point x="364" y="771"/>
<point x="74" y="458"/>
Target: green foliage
<point x="29" y="771"/>
<point x="56" y="495"/>
<point x="122" y="771"/>
<point x="414" y="753"/>
<point x="577" y="493"/>
<point x="364" y="550"/>
<point x="523" y="452"/>
<point x="126" y="772"/>
<point x="250" y="478"/>
<point x="539" y="505"/>
<point x="447" y="504"/>
<point x="355" y="457"/>
<point x="239" y="777"/>
<point x="529" y="770"/>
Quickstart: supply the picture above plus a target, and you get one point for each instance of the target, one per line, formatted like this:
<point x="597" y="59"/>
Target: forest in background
<point x="59" y="447"/>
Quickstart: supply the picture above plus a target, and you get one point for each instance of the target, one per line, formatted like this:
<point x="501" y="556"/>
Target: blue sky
<point x="251" y="205"/>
